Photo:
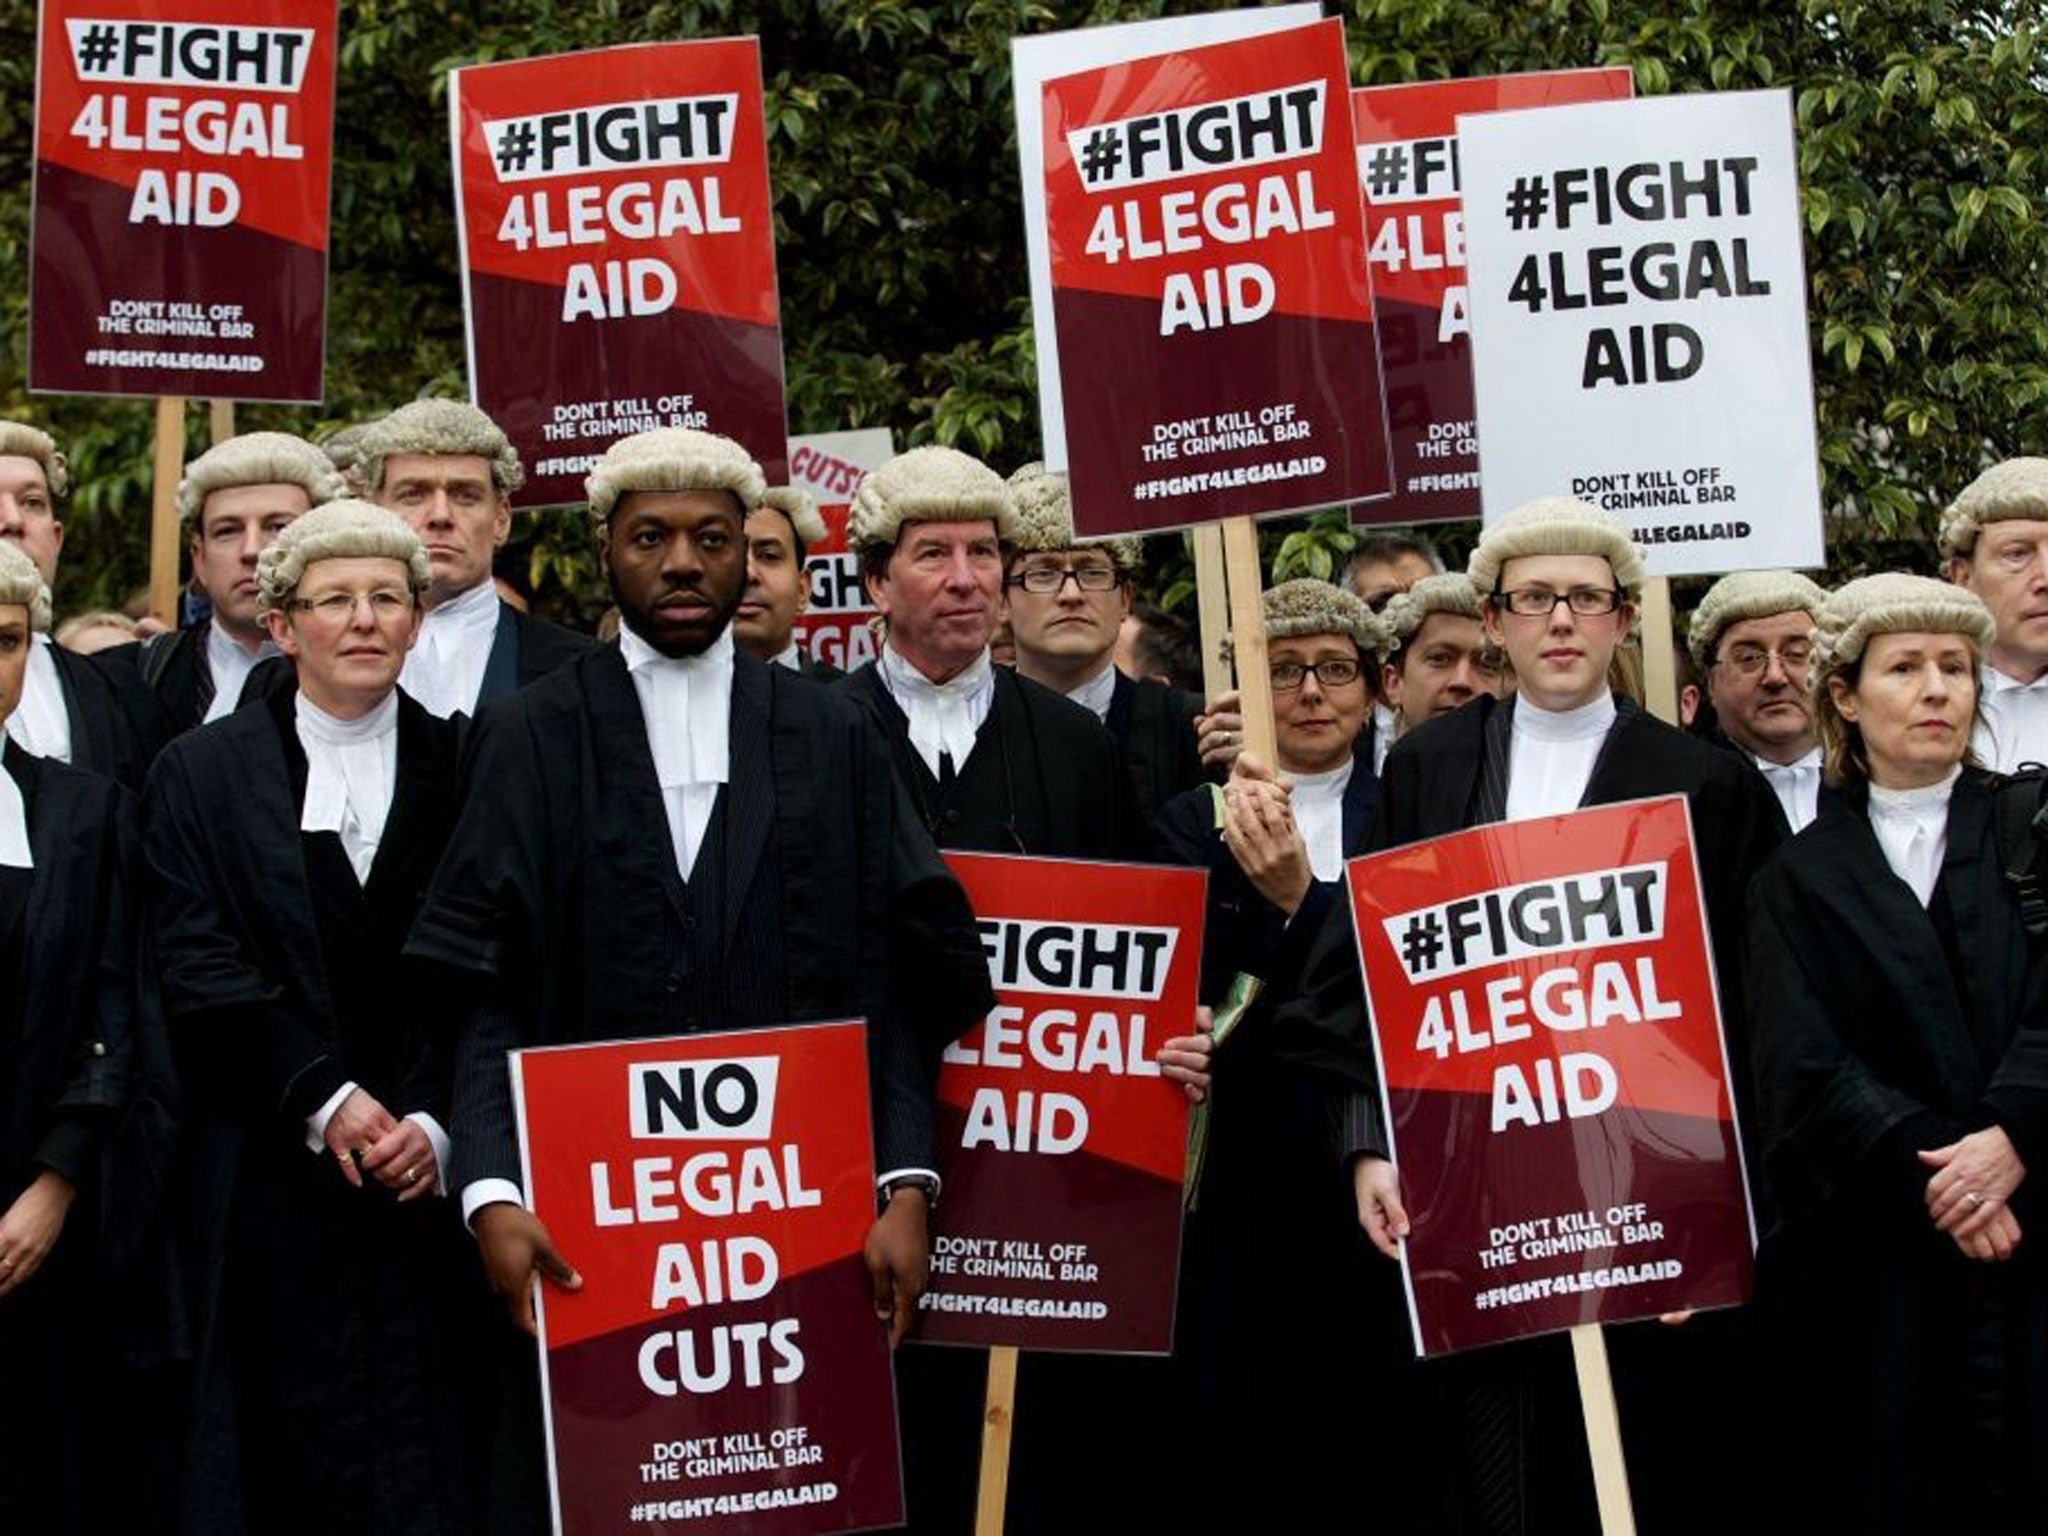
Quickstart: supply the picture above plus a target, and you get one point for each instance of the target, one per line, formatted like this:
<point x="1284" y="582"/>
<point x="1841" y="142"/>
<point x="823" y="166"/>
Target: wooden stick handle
<point x="163" y="519"/>
<point x="1248" y="635"/>
<point x="999" y="1413"/>
<point x="1603" y="1428"/>
<point x="1212" y="602"/>
<point x="1660" y="657"/>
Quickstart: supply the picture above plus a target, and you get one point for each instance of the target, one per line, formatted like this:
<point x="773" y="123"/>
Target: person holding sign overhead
<point x="1900" y="1007"/>
<point x="1751" y="639"/>
<point x="1994" y="541"/>
<point x="1560" y="581"/>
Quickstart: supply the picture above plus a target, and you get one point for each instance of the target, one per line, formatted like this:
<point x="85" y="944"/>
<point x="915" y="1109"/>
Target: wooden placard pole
<point x="220" y="420"/>
<point x="163" y="521"/>
<point x="999" y="1412"/>
<point x="1212" y="603"/>
<point x="1248" y="636"/>
<point x="1603" y="1430"/>
<point x="1660" y="657"/>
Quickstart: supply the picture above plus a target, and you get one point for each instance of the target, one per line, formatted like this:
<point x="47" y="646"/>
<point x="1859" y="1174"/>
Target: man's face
<point x="1073" y="628"/>
<point x="939" y="593"/>
<point x="1757" y="683"/>
<point x="677" y="561"/>
<point x="2009" y="570"/>
<point x="28" y="514"/>
<point x="235" y="526"/>
<point x="348" y="628"/>
<point x="1560" y="661"/>
<point x="1383" y="578"/>
<point x="778" y="588"/>
<point x="15" y="639"/>
<point x="454" y="506"/>
<point x="1446" y="663"/>
<point x="1315" y="724"/>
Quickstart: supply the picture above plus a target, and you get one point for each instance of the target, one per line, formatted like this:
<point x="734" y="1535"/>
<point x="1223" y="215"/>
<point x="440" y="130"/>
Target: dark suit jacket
<point x="524" y="650"/>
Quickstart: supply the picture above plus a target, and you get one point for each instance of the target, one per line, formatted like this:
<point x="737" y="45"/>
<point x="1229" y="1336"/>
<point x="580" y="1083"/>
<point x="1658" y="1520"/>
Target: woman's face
<point x="15" y="640"/>
<point x="1914" y="703"/>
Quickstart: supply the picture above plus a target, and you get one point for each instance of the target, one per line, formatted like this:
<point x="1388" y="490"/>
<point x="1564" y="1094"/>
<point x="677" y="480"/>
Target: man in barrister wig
<point x="288" y="846"/>
<point x="780" y="532"/>
<point x="450" y="471"/>
<point x="669" y="836"/>
<point x="90" y="711"/>
<point x="1994" y="540"/>
<point x="71" y="1018"/>
<point x="1438" y="658"/>
<point x="1274" y="847"/>
<point x="1560" y="582"/>
<point x="1752" y="639"/>
<point x="235" y="499"/>
<point x="1067" y="601"/>
<point x="993" y="761"/>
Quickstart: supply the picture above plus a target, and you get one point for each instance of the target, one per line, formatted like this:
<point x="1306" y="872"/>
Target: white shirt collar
<point x="1912" y="829"/>
<point x="444" y="671"/>
<point x="351" y="775"/>
<point x="790" y="656"/>
<point x="1995" y="681"/>
<point x="943" y="716"/>
<point x="15" y="852"/>
<point x="686" y="702"/>
<point x="1317" y="801"/>
<point x="1796" y="784"/>
<point x="1592" y="719"/>
<point x="229" y="666"/>
<point x="1386" y="726"/>
<point x="1097" y="692"/>
<point x="40" y="724"/>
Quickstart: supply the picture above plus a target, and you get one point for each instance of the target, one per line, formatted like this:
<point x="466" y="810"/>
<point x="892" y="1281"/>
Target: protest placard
<point x="721" y="1368"/>
<point x="833" y="628"/>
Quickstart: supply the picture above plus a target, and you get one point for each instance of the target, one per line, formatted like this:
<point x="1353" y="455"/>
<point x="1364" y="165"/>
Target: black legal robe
<point x="330" y="1324"/>
<point x="176" y="668"/>
<point x="1275" y="1216"/>
<point x="73" y="1020"/>
<point x="117" y="725"/>
<point x="1917" y="1378"/>
<point x="811" y="667"/>
<point x="1507" y="1428"/>
<point x="1154" y="730"/>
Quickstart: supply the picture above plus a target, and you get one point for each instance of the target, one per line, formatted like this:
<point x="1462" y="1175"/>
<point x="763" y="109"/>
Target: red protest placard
<point x="833" y="628"/>
<point x="180" y="225"/>
<point x="617" y="253"/>
<point x="1553" y="1074"/>
<point x="1210" y="294"/>
<point x="1061" y="1145"/>
<point x="1408" y="172"/>
<point x="721" y="1368"/>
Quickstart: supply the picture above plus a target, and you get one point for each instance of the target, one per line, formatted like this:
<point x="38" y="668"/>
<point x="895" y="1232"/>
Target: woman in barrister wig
<point x="1900" y="1013"/>
<point x="68" y="1022"/>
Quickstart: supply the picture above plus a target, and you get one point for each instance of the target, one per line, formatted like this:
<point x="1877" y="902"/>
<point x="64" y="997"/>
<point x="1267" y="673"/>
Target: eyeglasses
<point x="1754" y="660"/>
<point x="1541" y="602"/>
<point x="340" y="607"/>
<point x="1044" y="580"/>
<point x="1337" y="672"/>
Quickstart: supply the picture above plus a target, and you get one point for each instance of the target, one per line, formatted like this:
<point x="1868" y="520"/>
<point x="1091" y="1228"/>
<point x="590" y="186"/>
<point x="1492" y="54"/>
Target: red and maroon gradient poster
<point x="1211" y="303"/>
<point x="721" y="1368"/>
<point x="180" y="225"/>
<point x="1061" y="1144"/>
<point x="833" y="628"/>
<point x="1553" y="1074"/>
<point x="1408" y="171"/>
<point x="617" y="253"/>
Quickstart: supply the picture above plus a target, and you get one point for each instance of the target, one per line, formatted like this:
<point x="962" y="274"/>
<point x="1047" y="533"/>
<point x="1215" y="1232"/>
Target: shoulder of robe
<point x="1051" y="712"/>
<point x="1455" y="737"/>
<point x="545" y="645"/>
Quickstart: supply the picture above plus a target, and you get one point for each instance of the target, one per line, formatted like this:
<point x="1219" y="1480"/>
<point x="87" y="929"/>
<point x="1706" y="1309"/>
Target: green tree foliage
<point x="1923" y="140"/>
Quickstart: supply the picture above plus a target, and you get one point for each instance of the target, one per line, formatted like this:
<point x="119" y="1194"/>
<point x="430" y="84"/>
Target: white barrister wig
<point x="1306" y="606"/>
<point x="20" y="440"/>
<point x="2016" y="489"/>
<point x="1889" y="604"/>
<point x="447" y="427"/>
<point x="1558" y="525"/>
<point x="928" y="485"/>
<point x="256" y="458"/>
<point x="340" y="530"/>
<point x="1045" y="520"/>
<point x="1748" y="595"/>
<point x="343" y="445"/>
<point x="22" y="585"/>
<point x="1450" y="592"/>
<point x="801" y="511"/>
<point x="673" y="459"/>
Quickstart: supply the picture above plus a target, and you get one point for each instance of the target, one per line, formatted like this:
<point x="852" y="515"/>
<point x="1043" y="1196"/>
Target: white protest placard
<point x="1638" y="297"/>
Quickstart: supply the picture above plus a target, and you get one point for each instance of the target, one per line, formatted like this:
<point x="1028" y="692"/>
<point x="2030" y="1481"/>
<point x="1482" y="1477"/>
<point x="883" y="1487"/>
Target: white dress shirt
<point x="229" y="666"/>
<point x="444" y="671"/>
<point x="40" y="724"/>
<point x="1386" y="725"/>
<point x="1318" y="804"/>
<point x="1912" y="829"/>
<point x="1551" y="755"/>
<point x="943" y="716"/>
<point x="14" y="848"/>
<point x="2012" y="721"/>
<point x="687" y="704"/>
<point x="1096" y="693"/>
<point x="1797" y="786"/>
<point x="790" y="656"/>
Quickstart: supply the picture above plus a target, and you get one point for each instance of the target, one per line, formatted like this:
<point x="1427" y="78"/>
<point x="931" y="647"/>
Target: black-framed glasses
<point x="1754" y="660"/>
<point x="1541" y="602"/>
<point x="1337" y="672"/>
<point x="340" y="607"/>
<point x="1044" y="580"/>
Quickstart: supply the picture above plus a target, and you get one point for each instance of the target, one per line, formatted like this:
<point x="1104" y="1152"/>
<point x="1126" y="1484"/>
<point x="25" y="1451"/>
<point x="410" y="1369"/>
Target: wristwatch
<point x="888" y="1188"/>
